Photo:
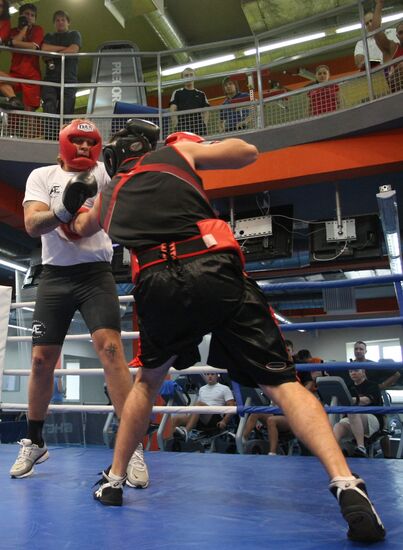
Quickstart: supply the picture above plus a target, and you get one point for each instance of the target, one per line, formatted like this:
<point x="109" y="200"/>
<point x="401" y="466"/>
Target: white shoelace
<point x="24" y="452"/>
<point x="137" y="458"/>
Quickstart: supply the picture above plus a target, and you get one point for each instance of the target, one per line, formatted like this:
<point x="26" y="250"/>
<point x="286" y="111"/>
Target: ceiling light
<point x="13" y="10"/>
<point x="198" y="64"/>
<point x="349" y="28"/>
<point x="13" y="266"/>
<point x="284" y="43"/>
<point x="394" y="17"/>
<point x="357" y="26"/>
<point x="82" y="93"/>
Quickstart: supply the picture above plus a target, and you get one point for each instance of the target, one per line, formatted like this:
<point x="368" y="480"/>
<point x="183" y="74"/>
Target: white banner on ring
<point x="5" y="304"/>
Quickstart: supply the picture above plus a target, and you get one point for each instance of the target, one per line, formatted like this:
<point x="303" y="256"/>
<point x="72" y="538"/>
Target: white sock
<point x="114" y="477"/>
<point x="342" y="482"/>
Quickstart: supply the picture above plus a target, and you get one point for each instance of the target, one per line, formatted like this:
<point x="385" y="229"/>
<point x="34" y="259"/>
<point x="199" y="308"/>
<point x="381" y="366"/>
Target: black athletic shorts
<point x="180" y="303"/>
<point x="62" y="290"/>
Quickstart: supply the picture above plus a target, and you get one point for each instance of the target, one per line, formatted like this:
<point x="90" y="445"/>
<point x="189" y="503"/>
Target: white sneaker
<point x="29" y="455"/>
<point x="137" y="471"/>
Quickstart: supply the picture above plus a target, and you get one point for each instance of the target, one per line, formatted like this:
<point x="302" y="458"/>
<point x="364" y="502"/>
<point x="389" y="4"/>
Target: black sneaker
<point x="181" y="433"/>
<point x="12" y="103"/>
<point x="360" y="452"/>
<point x="110" y="492"/>
<point x="364" y="523"/>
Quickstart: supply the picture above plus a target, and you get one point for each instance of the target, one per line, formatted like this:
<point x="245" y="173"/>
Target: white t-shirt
<point x="374" y="52"/>
<point x="43" y="185"/>
<point x="215" y="394"/>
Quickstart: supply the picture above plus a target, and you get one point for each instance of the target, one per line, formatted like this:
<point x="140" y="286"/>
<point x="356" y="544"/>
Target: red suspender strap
<point x="138" y="169"/>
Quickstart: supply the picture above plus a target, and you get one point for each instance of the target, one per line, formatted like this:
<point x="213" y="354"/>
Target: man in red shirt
<point x="29" y="37"/>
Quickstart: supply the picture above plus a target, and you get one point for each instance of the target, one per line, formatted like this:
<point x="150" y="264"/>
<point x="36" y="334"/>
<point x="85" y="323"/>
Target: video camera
<point x="22" y="22"/>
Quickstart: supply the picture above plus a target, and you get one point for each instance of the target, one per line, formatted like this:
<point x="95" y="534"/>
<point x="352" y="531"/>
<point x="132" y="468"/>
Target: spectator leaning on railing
<point x="325" y="99"/>
<point x="374" y="53"/>
<point x="233" y="119"/>
<point x="187" y="98"/>
<point x="28" y="36"/>
<point x="390" y="49"/>
<point x="63" y="40"/>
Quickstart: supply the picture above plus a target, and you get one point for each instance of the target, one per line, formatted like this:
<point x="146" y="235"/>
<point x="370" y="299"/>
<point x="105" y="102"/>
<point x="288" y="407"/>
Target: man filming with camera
<point x="28" y="36"/>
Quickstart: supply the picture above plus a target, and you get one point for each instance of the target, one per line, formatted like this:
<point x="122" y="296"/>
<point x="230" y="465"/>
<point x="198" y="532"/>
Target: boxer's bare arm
<point x="86" y="224"/>
<point x="227" y="154"/>
<point x="39" y="219"/>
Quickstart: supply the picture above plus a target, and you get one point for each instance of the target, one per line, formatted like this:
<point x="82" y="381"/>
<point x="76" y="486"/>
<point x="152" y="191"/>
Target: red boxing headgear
<point x="68" y="152"/>
<point x="188" y="136"/>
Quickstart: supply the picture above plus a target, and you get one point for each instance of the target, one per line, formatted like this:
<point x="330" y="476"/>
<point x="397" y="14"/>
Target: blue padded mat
<point x="194" y="501"/>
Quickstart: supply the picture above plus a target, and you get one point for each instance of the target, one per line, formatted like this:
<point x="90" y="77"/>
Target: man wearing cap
<point x="76" y="275"/>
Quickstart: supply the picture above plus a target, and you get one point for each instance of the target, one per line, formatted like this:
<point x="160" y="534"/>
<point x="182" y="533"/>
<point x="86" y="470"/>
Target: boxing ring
<point x="195" y="500"/>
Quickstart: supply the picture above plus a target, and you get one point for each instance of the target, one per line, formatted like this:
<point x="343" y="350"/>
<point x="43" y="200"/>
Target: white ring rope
<point x="125" y="335"/>
<point x="97" y="372"/>
<point x="108" y="408"/>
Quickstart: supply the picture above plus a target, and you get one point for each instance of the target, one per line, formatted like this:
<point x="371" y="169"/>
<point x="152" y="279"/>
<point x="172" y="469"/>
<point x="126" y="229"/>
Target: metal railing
<point x="269" y="108"/>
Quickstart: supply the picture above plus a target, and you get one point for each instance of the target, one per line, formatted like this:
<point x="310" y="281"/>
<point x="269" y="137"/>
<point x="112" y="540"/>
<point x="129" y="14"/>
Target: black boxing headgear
<point x="79" y="128"/>
<point x="137" y="138"/>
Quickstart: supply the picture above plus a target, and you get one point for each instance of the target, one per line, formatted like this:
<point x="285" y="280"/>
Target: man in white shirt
<point x="212" y="394"/>
<point x="76" y="275"/>
<point x="375" y="54"/>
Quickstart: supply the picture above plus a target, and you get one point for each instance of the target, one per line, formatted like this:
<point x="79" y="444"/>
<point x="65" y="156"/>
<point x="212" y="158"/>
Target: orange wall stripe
<point x="317" y="162"/>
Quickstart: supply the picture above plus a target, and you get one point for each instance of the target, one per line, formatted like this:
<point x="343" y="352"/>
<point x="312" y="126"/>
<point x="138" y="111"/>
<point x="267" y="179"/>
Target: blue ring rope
<point x="309" y="285"/>
<point x="330" y="410"/>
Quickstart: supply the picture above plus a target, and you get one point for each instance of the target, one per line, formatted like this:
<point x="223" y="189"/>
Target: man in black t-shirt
<point x="385" y="378"/>
<point x="187" y="98"/>
<point x="61" y="41"/>
<point x="357" y="426"/>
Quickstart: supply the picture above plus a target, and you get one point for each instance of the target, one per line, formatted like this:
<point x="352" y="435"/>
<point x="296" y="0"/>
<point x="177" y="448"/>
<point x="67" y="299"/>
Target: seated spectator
<point x="374" y="53"/>
<point x="187" y="98"/>
<point x="63" y="40"/>
<point x="390" y="49"/>
<point x="233" y="119"/>
<point x="27" y="36"/>
<point x="4" y="21"/>
<point x="354" y="427"/>
<point x="212" y="394"/>
<point x="325" y="99"/>
<point x="277" y="424"/>
<point x="385" y="378"/>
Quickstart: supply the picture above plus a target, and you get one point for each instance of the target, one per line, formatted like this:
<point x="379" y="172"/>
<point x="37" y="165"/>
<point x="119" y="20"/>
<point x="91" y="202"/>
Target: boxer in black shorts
<point x="76" y="276"/>
<point x="189" y="277"/>
<point x="89" y="288"/>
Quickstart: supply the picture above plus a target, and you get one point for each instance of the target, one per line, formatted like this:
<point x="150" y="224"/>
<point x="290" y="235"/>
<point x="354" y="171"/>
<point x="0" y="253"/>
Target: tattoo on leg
<point x="111" y="350"/>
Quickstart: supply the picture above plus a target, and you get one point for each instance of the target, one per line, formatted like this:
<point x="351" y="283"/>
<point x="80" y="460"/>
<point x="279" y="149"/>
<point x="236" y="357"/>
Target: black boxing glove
<point x="78" y="189"/>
